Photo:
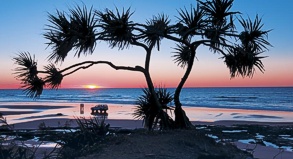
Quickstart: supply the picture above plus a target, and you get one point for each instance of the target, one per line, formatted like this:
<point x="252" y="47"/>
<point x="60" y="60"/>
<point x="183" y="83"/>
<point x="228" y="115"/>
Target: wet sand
<point x="31" y="115"/>
<point x="23" y="112"/>
<point x="121" y="115"/>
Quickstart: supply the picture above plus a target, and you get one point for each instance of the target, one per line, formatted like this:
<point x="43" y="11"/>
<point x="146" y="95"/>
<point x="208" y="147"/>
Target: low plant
<point x="151" y="115"/>
<point x="83" y="141"/>
<point x="4" y="126"/>
<point x="70" y="144"/>
<point x="9" y="149"/>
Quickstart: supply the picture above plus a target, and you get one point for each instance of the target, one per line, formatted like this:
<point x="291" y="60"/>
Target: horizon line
<point x="157" y="87"/>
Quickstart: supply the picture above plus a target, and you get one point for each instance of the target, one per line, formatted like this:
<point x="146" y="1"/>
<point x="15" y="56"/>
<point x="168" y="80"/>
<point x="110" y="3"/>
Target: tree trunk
<point x="165" y="121"/>
<point x="181" y="120"/>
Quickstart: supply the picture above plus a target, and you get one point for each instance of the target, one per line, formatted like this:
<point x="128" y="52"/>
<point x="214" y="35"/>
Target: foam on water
<point x="274" y="98"/>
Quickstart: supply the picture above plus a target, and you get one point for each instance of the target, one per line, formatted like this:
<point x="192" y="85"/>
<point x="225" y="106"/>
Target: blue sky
<point x="23" y="23"/>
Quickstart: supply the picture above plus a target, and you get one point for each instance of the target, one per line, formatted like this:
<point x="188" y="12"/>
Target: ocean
<point x="250" y="98"/>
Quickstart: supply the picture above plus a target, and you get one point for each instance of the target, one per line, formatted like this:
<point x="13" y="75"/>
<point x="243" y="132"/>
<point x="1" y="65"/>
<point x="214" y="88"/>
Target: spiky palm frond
<point x="116" y="28"/>
<point x="59" y="36"/>
<point x="242" y="61"/>
<point x="146" y="108"/>
<point x="54" y="77"/>
<point x="27" y="66"/>
<point x="253" y="34"/>
<point x="219" y="21"/>
<point x="76" y="30"/>
<point x="33" y="87"/>
<point x="190" y="22"/>
<point x="27" y="73"/>
<point x="143" y="105"/>
<point x="217" y="10"/>
<point x="83" y="27"/>
<point x="165" y="97"/>
<point x="217" y="35"/>
<point x="182" y="55"/>
<point x="156" y="29"/>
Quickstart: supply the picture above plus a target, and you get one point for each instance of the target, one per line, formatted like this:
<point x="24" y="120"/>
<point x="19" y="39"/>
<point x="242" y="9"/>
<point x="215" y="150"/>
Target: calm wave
<point x="238" y="98"/>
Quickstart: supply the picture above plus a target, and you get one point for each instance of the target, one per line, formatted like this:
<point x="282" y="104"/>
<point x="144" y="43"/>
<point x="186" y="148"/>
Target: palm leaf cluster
<point x="242" y="61"/>
<point x="66" y="32"/>
<point x="190" y="23"/>
<point x="211" y="20"/>
<point x="54" y="77"/>
<point x="27" y="73"/>
<point x="217" y="10"/>
<point x="216" y="35"/>
<point x="116" y="28"/>
<point x="244" y="58"/>
<point x="156" y="29"/>
<point x="253" y="36"/>
<point x="182" y="55"/>
<point x="146" y="106"/>
<point x="27" y="66"/>
<point x="219" y="21"/>
<point x="33" y="87"/>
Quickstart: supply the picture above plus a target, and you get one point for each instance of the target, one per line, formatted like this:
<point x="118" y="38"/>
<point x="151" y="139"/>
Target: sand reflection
<point x="24" y="112"/>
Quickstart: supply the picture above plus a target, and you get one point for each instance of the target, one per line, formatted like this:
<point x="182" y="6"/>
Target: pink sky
<point x="24" y="25"/>
<point x="201" y="76"/>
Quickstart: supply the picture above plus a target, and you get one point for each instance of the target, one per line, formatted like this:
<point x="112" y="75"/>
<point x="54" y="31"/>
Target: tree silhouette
<point x="79" y="30"/>
<point x="210" y="24"/>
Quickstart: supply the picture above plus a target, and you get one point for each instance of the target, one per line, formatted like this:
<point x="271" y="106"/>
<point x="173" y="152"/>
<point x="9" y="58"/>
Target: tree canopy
<point x="211" y="23"/>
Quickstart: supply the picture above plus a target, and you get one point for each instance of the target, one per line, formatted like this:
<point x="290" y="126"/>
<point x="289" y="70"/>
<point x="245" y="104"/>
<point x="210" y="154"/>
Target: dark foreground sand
<point x="136" y="124"/>
<point x="261" y="152"/>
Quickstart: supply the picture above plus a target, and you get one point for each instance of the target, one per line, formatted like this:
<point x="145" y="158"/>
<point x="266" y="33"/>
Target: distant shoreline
<point x="26" y="112"/>
<point x="261" y="98"/>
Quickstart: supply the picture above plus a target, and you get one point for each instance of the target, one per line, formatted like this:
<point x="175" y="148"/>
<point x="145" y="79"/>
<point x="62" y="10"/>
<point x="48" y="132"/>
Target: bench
<point x="100" y="109"/>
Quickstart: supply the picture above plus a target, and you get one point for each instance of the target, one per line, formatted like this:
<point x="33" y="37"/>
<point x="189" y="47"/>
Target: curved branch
<point x="91" y="63"/>
<point x="82" y="67"/>
<point x="136" y="43"/>
<point x="173" y="38"/>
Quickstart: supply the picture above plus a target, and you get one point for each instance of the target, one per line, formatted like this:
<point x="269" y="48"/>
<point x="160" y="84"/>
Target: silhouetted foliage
<point x="190" y="23"/>
<point x="145" y="107"/>
<point x="28" y="66"/>
<point x="116" y="28"/>
<point x="54" y="76"/>
<point x="182" y="55"/>
<point x="253" y="37"/>
<point x="85" y="140"/>
<point x="210" y="24"/>
<point x="156" y="29"/>
<point x="27" y="74"/>
<point x="67" y="32"/>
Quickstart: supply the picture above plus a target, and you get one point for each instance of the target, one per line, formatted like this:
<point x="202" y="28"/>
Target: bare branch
<point x="91" y="63"/>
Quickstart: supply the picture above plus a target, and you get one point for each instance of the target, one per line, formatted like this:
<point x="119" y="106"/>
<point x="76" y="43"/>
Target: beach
<point x="30" y="115"/>
<point x="19" y="112"/>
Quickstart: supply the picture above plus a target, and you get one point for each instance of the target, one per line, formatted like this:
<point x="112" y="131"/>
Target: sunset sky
<point x="23" y="22"/>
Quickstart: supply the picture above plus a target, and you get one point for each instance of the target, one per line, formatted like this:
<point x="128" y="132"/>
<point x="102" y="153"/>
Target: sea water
<point x="251" y="98"/>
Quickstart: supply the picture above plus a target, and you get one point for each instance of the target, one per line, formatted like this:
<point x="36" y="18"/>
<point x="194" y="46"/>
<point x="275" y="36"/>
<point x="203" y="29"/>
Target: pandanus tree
<point x="79" y="30"/>
<point x="211" y="24"/>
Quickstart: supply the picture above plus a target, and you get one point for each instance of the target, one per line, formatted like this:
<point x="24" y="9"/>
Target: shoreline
<point x="19" y="112"/>
<point x="45" y="114"/>
<point x="45" y="104"/>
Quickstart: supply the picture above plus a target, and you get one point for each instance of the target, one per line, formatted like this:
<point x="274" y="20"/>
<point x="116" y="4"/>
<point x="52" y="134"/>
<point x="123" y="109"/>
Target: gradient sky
<point x="23" y="23"/>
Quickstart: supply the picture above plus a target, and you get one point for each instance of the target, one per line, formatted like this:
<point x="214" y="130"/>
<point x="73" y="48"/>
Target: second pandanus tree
<point x="79" y="30"/>
<point x="211" y="24"/>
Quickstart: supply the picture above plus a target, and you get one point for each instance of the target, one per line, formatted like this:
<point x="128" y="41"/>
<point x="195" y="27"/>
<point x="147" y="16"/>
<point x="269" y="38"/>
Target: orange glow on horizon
<point x="91" y="86"/>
